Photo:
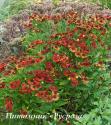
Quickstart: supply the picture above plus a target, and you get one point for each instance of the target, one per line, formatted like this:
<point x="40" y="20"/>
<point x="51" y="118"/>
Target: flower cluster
<point x="49" y="95"/>
<point x="63" y="60"/>
<point x="72" y="76"/>
<point x="28" y="61"/>
<point x="69" y="53"/>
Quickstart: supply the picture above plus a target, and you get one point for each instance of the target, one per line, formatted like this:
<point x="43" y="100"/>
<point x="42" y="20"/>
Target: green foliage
<point x="100" y="115"/>
<point x="56" y="2"/>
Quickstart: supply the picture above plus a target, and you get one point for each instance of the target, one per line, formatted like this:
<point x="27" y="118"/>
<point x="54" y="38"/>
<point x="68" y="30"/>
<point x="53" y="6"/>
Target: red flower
<point x="37" y="42"/>
<point x="2" y="66"/>
<point x="2" y="85"/>
<point x="93" y="36"/>
<point x="82" y="35"/>
<point x="93" y="44"/>
<point x="72" y="48"/>
<point x="48" y="79"/>
<point x="25" y="89"/>
<point x="36" y="82"/>
<point x="23" y="63"/>
<point x="63" y="42"/>
<point x="73" y="75"/>
<point x="46" y="50"/>
<point x="37" y="60"/>
<point x="33" y="84"/>
<point x="9" y="104"/>
<point x="49" y="65"/>
<point x="29" y="61"/>
<point x="63" y="60"/>
<point x="82" y="45"/>
<point x="48" y="97"/>
<point x="67" y="72"/>
<point x="54" y="89"/>
<point x="56" y="58"/>
<point x="74" y="82"/>
<point x="66" y="65"/>
<point x="42" y="94"/>
<point x="43" y="75"/>
<point x="86" y="63"/>
<point x="77" y="53"/>
<point x="15" y="84"/>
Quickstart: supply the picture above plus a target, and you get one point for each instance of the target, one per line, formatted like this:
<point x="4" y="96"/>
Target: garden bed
<point x="55" y="65"/>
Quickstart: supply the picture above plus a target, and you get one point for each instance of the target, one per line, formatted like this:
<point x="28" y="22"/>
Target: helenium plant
<point x="62" y="68"/>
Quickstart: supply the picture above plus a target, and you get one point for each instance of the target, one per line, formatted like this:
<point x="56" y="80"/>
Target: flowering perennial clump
<point x="62" y="54"/>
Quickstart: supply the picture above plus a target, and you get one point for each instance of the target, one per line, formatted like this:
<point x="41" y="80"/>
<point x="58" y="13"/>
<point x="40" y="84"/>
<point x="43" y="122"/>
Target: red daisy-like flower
<point x="2" y="85"/>
<point x="42" y="94"/>
<point x="49" y="65"/>
<point x="56" y="58"/>
<point x="54" y="89"/>
<point x="37" y="42"/>
<point x="15" y="84"/>
<point x="86" y="63"/>
<point x="9" y="104"/>
<point x="74" y="82"/>
<point x="25" y="89"/>
<point x="93" y="44"/>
